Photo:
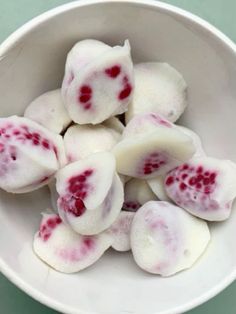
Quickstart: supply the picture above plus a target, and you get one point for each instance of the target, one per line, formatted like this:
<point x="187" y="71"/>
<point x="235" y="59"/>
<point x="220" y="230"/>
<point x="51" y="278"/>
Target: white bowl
<point x="32" y="61"/>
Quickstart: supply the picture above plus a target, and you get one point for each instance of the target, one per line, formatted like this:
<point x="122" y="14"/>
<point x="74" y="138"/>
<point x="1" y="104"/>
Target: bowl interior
<point x="34" y="64"/>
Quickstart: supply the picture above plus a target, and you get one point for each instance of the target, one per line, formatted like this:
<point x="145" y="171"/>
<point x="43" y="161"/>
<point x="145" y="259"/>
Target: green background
<point x="13" y="13"/>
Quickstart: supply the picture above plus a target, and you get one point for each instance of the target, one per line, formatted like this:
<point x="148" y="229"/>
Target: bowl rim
<point x="22" y="31"/>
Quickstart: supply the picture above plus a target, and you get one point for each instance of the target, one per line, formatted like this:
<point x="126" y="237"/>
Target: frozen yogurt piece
<point x="65" y="250"/>
<point x="151" y="146"/>
<point x="165" y="239"/>
<point x="30" y="155"/>
<point x="137" y="193"/>
<point x="120" y="231"/>
<point x="90" y="193"/>
<point x="83" y="140"/>
<point x="100" y="88"/>
<point x="49" y="111"/>
<point x="204" y="186"/>
<point x="159" y="88"/>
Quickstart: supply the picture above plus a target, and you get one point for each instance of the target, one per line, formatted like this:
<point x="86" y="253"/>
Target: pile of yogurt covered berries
<point x="146" y="186"/>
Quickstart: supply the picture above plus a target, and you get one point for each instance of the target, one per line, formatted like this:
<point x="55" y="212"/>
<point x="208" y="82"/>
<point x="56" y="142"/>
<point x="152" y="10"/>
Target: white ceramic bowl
<point x="32" y="61"/>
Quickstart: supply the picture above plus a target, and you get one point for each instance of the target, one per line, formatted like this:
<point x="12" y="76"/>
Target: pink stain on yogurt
<point x="192" y="186"/>
<point x="159" y="120"/>
<point x="47" y="227"/>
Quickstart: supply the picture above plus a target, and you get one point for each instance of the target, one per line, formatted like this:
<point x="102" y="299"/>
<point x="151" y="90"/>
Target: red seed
<point x="82" y="194"/>
<point x="125" y="92"/>
<point x="185" y="167"/>
<point x="46" y="236"/>
<point x="81" y="178"/>
<point x="147" y="171"/>
<point x="200" y="169"/>
<point x="184" y="176"/>
<point x="88" y="173"/>
<point x="198" y="185"/>
<point x="199" y="178"/>
<point x="28" y="136"/>
<point x="212" y="176"/>
<point x="79" y="208"/>
<point x="58" y="220"/>
<point x="51" y="223"/>
<point x="36" y="142"/>
<point x="206" y="181"/>
<point x="45" y="144"/>
<point x="192" y="181"/>
<point x="114" y="71"/>
<point x="86" y="89"/>
<point x="73" y="188"/>
<point x="169" y="180"/>
<point x="84" y="98"/>
<point x="182" y="186"/>
<point x="36" y="135"/>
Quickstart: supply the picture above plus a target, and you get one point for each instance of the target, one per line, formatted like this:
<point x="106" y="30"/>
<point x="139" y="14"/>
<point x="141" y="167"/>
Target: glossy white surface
<point x="207" y="60"/>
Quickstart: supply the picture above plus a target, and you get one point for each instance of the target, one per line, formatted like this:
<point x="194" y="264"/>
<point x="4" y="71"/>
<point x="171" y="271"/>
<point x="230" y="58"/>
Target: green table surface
<point x="14" y="13"/>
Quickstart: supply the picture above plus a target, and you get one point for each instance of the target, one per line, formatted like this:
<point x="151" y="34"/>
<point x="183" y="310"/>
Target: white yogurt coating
<point x="83" y="140"/>
<point x="165" y="239"/>
<point x="30" y="154"/>
<point x="90" y="192"/>
<point x="204" y="186"/>
<point x="49" y="111"/>
<point x="120" y="231"/>
<point x="151" y="146"/>
<point x="65" y="250"/>
<point x="137" y="193"/>
<point x="99" y="88"/>
<point x="159" y="88"/>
